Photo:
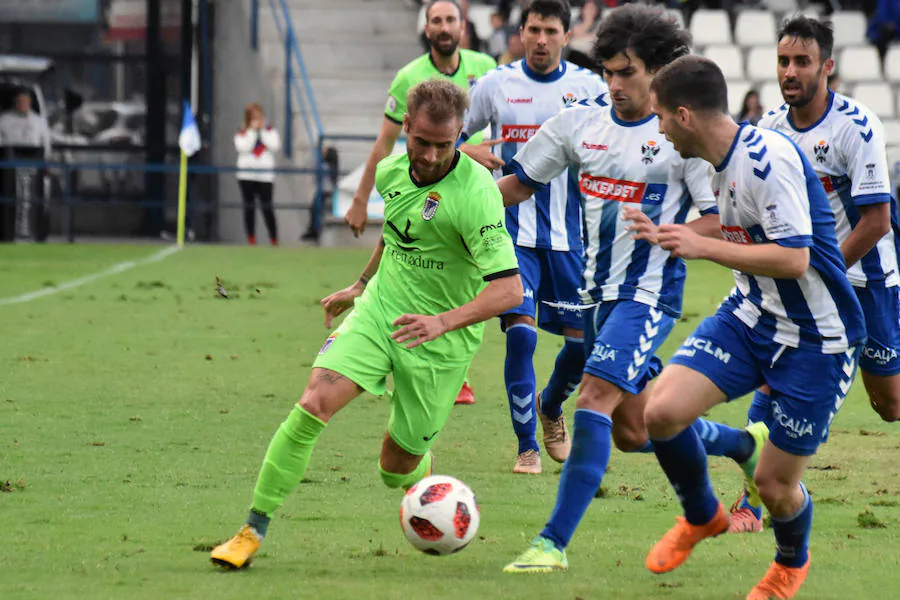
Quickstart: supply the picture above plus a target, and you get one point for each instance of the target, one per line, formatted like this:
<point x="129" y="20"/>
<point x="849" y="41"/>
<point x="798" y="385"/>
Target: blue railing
<point x="147" y="167"/>
<point x="68" y="199"/>
<point x="297" y="88"/>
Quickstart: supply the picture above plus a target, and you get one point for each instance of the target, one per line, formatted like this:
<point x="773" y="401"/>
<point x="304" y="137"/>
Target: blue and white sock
<point x="792" y="534"/>
<point x="683" y="460"/>
<point x="521" y="340"/>
<point x="722" y="440"/>
<point x="760" y="409"/>
<point x="581" y="474"/>
<point x="565" y="377"/>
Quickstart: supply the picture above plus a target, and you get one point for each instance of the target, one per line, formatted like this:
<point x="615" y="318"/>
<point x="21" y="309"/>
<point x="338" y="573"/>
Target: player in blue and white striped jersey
<point x="792" y="321"/>
<point x="515" y="100"/>
<point x="844" y="142"/>
<point x="631" y="289"/>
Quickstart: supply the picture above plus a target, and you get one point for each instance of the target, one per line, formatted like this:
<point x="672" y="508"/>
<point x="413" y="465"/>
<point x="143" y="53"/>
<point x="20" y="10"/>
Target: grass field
<point x="135" y="410"/>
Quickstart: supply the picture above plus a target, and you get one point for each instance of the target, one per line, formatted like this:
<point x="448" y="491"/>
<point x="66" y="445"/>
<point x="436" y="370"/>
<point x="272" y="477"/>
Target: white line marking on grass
<point x="74" y="283"/>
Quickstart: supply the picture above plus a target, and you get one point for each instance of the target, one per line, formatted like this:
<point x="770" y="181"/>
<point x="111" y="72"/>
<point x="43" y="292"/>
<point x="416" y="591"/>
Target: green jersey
<point x="472" y="65"/>
<point x="442" y="243"/>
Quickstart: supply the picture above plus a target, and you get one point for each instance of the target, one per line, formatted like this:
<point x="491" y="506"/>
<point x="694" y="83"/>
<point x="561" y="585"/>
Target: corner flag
<point x="189" y="138"/>
<point x="189" y="141"/>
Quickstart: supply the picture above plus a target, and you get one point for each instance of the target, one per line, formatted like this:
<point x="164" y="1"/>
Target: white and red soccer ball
<point x="439" y="515"/>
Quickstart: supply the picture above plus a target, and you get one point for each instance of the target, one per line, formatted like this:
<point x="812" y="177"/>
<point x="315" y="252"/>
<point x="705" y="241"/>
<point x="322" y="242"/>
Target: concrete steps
<point x="361" y="17"/>
<point x="327" y="59"/>
<point x="352" y="50"/>
<point x="343" y="24"/>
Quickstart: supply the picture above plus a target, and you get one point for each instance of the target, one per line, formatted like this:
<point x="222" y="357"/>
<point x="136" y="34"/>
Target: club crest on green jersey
<point x="328" y="343"/>
<point x="431" y="205"/>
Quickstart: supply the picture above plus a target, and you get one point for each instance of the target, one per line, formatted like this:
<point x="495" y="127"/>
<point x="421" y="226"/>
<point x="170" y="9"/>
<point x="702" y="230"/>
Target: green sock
<point x="407" y="480"/>
<point x="286" y="459"/>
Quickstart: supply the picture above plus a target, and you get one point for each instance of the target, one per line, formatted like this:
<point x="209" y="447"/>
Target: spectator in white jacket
<point x="256" y="144"/>
<point x="21" y="126"/>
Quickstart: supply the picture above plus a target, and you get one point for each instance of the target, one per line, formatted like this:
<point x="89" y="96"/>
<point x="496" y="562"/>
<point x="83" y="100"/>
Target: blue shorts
<point x="551" y="279"/>
<point x="881" y="307"/>
<point x="621" y="339"/>
<point x="808" y="388"/>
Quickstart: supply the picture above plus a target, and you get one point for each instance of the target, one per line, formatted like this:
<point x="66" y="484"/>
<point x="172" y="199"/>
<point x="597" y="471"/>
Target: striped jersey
<point x="515" y="101"/>
<point x="769" y="193"/>
<point x="846" y="147"/>
<point x="620" y="163"/>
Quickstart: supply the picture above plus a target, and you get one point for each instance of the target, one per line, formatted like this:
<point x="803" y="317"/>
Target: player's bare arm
<point x="357" y="216"/>
<point x="768" y="260"/>
<point x="482" y="154"/>
<point x="707" y="226"/>
<point x="874" y="223"/>
<point x="643" y="228"/>
<point x="499" y="296"/>
<point x="342" y="300"/>
<point x="514" y="191"/>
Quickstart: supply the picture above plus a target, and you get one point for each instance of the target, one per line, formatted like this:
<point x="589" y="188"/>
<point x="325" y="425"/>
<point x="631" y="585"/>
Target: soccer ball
<point x="439" y="515"/>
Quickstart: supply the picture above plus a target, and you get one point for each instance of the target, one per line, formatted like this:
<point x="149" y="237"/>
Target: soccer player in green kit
<point x="445" y="60"/>
<point x="445" y="264"/>
<point x="443" y="28"/>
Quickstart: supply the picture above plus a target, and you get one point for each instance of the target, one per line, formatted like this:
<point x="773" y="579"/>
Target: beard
<point x="686" y="153"/>
<point x="626" y="108"/>
<point x="444" y="46"/>
<point x="804" y="95"/>
<point x="681" y="142"/>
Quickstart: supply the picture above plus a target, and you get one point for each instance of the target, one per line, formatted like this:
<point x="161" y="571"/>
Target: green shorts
<point x="424" y="391"/>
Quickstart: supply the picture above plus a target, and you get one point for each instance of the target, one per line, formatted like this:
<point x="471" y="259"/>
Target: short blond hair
<point x="440" y="99"/>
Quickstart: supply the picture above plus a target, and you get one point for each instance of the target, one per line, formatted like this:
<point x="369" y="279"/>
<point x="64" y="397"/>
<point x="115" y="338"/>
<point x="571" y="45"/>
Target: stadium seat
<point x="782" y="7"/>
<point x="575" y="12"/>
<point x="515" y="13"/>
<point x="710" y="27"/>
<point x="859" y="63"/>
<point x="770" y="95"/>
<point x="480" y="15"/>
<point x="849" y="28"/>
<point x="892" y="132"/>
<point x="892" y="64"/>
<point x="736" y="92"/>
<point x="879" y="97"/>
<point x="762" y="62"/>
<point x="755" y="28"/>
<point x="898" y="112"/>
<point x="729" y="59"/>
<point x="893" y="157"/>
<point x="813" y="11"/>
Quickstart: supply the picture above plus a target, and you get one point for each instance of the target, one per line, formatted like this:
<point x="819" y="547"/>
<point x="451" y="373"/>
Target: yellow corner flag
<point x="189" y="142"/>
